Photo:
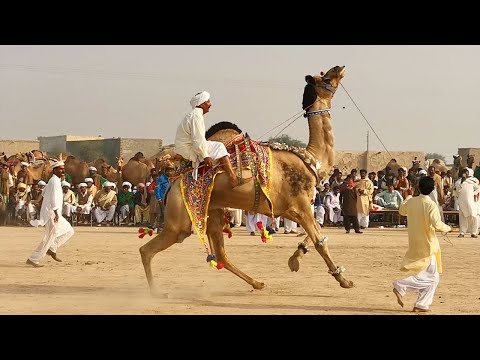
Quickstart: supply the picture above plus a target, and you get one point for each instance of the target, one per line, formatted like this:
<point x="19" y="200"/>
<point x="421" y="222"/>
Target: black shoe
<point x="359" y="232"/>
<point x="347" y="232"/>
<point x="30" y="262"/>
<point x="53" y="255"/>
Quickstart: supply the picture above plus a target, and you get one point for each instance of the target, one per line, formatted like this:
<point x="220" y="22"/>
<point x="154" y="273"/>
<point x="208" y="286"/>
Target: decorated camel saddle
<point x="251" y="160"/>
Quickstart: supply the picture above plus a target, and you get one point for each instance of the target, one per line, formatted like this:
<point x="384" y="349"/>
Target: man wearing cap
<point x="24" y="176"/>
<point x="105" y="202"/>
<point x="92" y="189"/>
<point x="83" y="202"/>
<point x="190" y="141"/>
<point x="35" y="203"/>
<point x="68" y="200"/>
<point x="126" y="203"/>
<point x="57" y="230"/>
<point x="98" y="180"/>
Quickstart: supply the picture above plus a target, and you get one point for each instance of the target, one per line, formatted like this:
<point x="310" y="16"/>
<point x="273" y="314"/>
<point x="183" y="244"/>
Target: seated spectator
<point x="83" y="203"/>
<point x="105" y="202"/>
<point x="142" y="204"/>
<point x="126" y="202"/>
<point x="35" y="203"/>
<point x="332" y="206"/>
<point x="21" y="198"/>
<point x="68" y="200"/>
<point x="389" y="199"/>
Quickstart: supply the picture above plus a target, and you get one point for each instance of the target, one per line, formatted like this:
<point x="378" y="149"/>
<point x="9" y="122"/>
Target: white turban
<point x="93" y="168"/>
<point x="42" y="183"/>
<point x="422" y="172"/>
<point x="469" y="172"/>
<point x="108" y="183"/>
<point x="82" y="185"/>
<point x="65" y="183"/>
<point x="126" y="183"/>
<point x="88" y="180"/>
<point x="148" y="184"/>
<point x="57" y="164"/>
<point x="199" y="98"/>
<point x="24" y="163"/>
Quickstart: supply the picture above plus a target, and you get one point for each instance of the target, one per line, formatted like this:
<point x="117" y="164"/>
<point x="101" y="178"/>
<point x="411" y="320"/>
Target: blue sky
<point x="418" y="98"/>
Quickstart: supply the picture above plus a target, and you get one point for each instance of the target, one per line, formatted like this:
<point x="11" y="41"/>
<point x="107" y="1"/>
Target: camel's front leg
<point x="215" y="235"/>
<point x="302" y="249"/>
<point x="308" y="222"/>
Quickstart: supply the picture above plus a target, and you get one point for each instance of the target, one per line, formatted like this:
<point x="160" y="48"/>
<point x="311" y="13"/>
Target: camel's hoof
<point x="258" y="285"/>
<point x="293" y="263"/>
<point x="347" y="284"/>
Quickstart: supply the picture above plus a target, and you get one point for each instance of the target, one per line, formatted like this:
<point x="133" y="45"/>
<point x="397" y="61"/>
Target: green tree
<point x="435" y="156"/>
<point x="286" y="139"/>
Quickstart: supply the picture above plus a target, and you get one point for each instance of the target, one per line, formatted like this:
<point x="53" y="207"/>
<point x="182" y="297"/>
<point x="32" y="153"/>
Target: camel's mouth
<point x="341" y="72"/>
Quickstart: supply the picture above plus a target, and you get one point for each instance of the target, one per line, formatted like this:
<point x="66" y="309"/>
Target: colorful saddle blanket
<point x="244" y="153"/>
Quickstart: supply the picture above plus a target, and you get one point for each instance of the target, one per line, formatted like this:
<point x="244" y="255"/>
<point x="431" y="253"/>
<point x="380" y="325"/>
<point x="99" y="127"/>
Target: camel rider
<point x="190" y="141"/>
<point x="98" y="180"/>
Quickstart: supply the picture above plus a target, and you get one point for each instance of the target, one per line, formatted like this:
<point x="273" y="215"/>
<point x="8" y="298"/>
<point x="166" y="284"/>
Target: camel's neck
<point x="321" y="140"/>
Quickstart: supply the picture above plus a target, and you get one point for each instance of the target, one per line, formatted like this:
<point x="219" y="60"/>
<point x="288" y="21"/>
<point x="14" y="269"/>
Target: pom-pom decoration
<point x="213" y="263"/>
<point x="264" y="233"/>
<point x="145" y="231"/>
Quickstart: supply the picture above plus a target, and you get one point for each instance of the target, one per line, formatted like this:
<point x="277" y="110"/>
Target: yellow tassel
<point x="213" y="263"/>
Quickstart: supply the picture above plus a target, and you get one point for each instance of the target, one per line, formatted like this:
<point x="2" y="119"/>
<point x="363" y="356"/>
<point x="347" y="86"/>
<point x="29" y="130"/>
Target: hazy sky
<point x="418" y="98"/>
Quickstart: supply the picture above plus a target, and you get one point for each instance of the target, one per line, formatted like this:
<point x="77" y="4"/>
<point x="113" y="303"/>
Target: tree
<point x="286" y="139"/>
<point x="434" y="156"/>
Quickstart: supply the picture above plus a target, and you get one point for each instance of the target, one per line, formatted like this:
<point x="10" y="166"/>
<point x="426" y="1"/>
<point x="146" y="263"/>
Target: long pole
<point x="366" y="158"/>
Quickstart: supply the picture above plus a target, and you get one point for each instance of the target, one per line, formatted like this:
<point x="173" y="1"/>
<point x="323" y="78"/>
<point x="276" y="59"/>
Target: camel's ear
<point x="309" y="79"/>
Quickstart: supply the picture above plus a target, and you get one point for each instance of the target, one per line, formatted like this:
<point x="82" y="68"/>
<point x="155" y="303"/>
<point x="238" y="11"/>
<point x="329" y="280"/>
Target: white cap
<point x="108" y="183"/>
<point x="23" y="163"/>
<point x="65" y="183"/>
<point x="42" y="183"/>
<point x="126" y="183"/>
<point x="57" y="163"/>
<point x="82" y="184"/>
<point x="422" y="172"/>
<point x="148" y="184"/>
<point x="92" y="168"/>
<point x="88" y="180"/>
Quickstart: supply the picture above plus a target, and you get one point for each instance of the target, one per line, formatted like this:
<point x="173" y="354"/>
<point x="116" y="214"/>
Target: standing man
<point x="423" y="257"/>
<point x="190" y="141"/>
<point x="57" y="229"/>
<point x="364" y="187"/>
<point x="467" y="190"/>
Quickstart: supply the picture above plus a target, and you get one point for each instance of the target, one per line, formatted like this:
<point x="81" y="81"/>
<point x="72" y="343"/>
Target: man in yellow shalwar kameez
<point x="423" y="257"/>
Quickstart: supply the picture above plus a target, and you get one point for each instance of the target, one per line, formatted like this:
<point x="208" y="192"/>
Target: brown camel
<point x="294" y="177"/>
<point x="76" y="168"/>
<point x="40" y="169"/>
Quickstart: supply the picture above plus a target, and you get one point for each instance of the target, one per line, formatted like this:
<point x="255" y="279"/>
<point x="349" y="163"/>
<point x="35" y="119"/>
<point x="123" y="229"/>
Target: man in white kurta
<point x="332" y="206"/>
<point x="364" y="188"/>
<point x="423" y="257"/>
<point x="468" y="190"/>
<point x="190" y="141"/>
<point x="57" y="229"/>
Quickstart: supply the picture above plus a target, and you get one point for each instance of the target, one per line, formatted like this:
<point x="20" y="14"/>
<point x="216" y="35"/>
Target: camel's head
<point x="322" y="86"/>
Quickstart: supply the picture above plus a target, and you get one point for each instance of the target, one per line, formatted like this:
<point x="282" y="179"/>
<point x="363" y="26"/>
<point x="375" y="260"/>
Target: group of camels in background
<point x="137" y="169"/>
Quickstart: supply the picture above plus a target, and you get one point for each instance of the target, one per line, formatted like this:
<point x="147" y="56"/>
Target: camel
<point x="294" y="175"/>
<point x="76" y="168"/>
<point x="40" y="169"/>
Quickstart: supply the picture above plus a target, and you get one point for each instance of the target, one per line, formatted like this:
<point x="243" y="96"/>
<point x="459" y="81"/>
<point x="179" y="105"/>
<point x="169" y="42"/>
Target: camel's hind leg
<point x="215" y="236"/>
<point x="307" y="221"/>
<point x="177" y="228"/>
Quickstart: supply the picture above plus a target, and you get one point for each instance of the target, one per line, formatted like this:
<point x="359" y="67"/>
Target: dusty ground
<point x="102" y="273"/>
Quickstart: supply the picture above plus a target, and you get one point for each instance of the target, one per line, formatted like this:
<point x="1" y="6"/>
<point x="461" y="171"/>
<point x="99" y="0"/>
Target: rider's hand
<point x="208" y="162"/>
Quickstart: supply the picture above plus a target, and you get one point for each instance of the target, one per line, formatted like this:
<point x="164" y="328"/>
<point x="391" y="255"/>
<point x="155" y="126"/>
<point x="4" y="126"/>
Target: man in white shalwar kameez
<point x="468" y="190"/>
<point x="423" y="257"/>
<point x="57" y="229"/>
<point x="190" y="141"/>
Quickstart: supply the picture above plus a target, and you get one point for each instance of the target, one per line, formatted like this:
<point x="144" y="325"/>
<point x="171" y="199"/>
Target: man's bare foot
<point x="420" y="310"/>
<point x="30" y="262"/>
<point x="399" y="297"/>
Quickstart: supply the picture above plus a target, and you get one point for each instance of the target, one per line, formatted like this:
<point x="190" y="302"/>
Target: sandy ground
<point x="102" y="273"/>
